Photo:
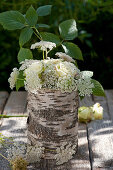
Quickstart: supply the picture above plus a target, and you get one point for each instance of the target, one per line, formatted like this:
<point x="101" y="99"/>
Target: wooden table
<point x="95" y="143"/>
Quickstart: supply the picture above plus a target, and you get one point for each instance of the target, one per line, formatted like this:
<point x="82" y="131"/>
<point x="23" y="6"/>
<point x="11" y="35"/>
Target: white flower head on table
<point x="64" y="153"/>
<point x="43" y="45"/>
<point x="97" y="108"/>
<point x="65" y="57"/>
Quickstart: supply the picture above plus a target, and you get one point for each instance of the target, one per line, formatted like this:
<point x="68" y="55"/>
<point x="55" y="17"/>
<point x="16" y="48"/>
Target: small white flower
<point x="66" y="84"/>
<point x="43" y="45"/>
<point x="64" y="56"/>
<point x="34" y="153"/>
<point x="13" y="78"/>
<point x="64" y="153"/>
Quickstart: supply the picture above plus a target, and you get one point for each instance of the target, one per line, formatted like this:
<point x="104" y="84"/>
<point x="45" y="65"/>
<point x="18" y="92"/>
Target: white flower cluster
<point x="13" y="78"/>
<point x="84" y="84"/>
<point x="16" y="150"/>
<point x="43" y="45"/>
<point x="64" y="153"/>
<point x="52" y="74"/>
<point x="34" y="153"/>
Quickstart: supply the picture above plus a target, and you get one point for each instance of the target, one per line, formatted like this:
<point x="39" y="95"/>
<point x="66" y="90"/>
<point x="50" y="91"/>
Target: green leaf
<point x="42" y="26"/>
<point x="44" y="10"/>
<point x="68" y="29"/>
<point x="23" y="54"/>
<point x="20" y="80"/>
<point x="25" y="35"/>
<point x="50" y="37"/>
<point x="72" y="50"/>
<point x="12" y="20"/>
<point x="98" y="89"/>
<point x="31" y="16"/>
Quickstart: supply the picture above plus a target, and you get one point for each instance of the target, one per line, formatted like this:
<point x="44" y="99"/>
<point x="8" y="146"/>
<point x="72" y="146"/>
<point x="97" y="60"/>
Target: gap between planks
<point x="3" y="98"/>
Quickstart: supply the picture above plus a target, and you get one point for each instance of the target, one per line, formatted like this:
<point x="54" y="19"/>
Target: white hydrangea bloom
<point x="13" y="78"/>
<point x="43" y="45"/>
<point x="64" y="56"/>
<point x="32" y="82"/>
<point x="17" y="150"/>
<point x="34" y="153"/>
<point x="26" y="63"/>
<point x="84" y="86"/>
<point x="64" y="153"/>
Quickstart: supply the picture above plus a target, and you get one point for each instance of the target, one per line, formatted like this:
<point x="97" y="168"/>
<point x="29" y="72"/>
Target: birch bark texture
<point x="52" y="120"/>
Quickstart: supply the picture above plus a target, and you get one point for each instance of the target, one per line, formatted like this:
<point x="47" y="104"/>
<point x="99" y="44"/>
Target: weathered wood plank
<point x="87" y="101"/>
<point x="103" y="102"/>
<point x="109" y="96"/>
<point x="3" y="98"/>
<point x="14" y="127"/>
<point x="16" y="103"/>
<point x="81" y="160"/>
<point x="100" y="134"/>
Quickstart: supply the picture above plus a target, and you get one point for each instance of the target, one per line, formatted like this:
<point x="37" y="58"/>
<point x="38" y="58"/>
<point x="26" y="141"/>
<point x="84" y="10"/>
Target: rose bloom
<point x="61" y="70"/>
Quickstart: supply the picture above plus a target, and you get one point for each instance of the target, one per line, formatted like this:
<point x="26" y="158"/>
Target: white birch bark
<point x="52" y="120"/>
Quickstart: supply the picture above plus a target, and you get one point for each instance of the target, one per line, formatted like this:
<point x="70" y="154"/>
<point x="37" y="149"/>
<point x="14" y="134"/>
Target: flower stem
<point x="37" y="35"/>
<point x="46" y="53"/>
<point x="36" y="32"/>
<point x="6" y="116"/>
<point x="5" y="158"/>
<point x="43" y="54"/>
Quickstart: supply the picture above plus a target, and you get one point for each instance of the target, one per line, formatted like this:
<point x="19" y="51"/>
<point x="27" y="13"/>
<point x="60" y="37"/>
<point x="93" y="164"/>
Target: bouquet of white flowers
<point x="53" y="82"/>
<point x="63" y="73"/>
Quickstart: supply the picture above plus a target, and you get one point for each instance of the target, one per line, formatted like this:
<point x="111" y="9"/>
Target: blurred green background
<point x="95" y="24"/>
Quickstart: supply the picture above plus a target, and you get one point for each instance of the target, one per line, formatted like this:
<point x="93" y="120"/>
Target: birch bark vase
<point x="52" y="120"/>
